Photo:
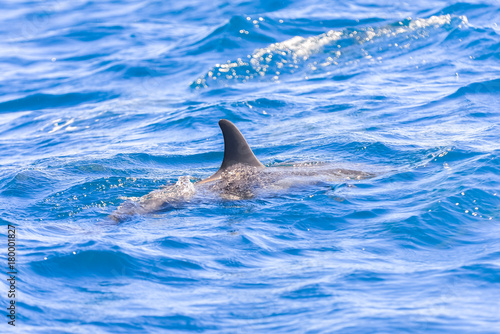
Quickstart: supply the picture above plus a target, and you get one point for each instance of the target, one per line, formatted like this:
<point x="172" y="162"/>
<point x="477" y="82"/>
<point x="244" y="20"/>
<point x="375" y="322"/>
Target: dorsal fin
<point x="236" y="150"/>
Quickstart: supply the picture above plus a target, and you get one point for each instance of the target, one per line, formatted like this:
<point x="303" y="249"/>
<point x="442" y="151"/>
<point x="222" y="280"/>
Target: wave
<point x="45" y="101"/>
<point x="483" y="87"/>
<point x="322" y="52"/>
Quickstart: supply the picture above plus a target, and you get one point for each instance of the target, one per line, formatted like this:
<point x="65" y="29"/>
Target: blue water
<point x="106" y="101"/>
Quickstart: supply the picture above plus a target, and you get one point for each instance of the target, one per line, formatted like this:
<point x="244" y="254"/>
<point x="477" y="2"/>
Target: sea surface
<point x="102" y="102"/>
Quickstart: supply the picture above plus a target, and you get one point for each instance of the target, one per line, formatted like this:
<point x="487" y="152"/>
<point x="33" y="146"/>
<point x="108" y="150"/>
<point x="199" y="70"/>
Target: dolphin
<point x="240" y="176"/>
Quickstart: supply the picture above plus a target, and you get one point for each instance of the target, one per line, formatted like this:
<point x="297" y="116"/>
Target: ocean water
<point x="103" y="102"/>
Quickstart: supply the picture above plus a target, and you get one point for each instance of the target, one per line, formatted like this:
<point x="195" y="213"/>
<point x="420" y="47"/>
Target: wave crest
<point x="298" y="54"/>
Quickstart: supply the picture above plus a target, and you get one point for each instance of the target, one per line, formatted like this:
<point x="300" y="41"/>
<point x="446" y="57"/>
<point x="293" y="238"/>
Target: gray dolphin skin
<point x="236" y="151"/>
<point x="240" y="176"/>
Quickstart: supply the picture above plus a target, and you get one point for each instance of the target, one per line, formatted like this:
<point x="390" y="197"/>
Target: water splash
<point x="300" y="54"/>
<point x="167" y="197"/>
